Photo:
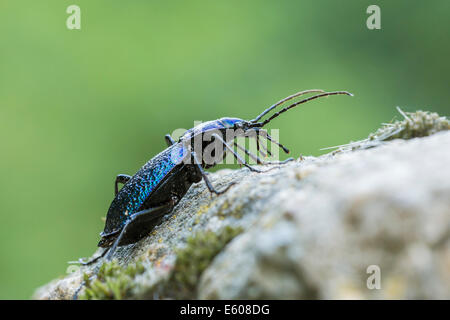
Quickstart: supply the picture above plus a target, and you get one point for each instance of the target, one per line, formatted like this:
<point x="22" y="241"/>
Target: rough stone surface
<point x="310" y="230"/>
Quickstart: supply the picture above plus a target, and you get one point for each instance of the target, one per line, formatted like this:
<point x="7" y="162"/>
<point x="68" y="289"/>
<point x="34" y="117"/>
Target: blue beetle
<point x="163" y="181"/>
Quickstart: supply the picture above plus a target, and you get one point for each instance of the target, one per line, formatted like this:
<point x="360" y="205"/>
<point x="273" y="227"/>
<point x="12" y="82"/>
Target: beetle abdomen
<point x="134" y="193"/>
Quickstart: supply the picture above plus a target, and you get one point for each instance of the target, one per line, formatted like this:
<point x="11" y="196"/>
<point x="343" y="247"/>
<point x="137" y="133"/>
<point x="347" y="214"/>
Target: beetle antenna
<point x="284" y="100"/>
<point x="262" y="124"/>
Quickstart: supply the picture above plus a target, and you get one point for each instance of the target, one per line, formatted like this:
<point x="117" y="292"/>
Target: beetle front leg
<point x="121" y="178"/>
<point x="205" y="177"/>
<point x="237" y="156"/>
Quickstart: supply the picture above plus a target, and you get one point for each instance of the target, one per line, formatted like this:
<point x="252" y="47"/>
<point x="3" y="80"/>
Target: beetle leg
<point x="265" y="148"/>
<point x="257" y="159"/>
<point x="279" y="162"/>
<point x="257" y="142"/>
<point x="237" y="156"/>
<point x="259" y="145"/>
<point x="251" y="155"/>
<point x="121" y="178"/>
<point x="146" y="215"/>
<point x="262" y="145"/>
<point x="77" y="291"/>
<point x="86" y="263"/>
<point x="204" y="176"/>
<point x="169" y="140"/>
<point x="266" y="135"/>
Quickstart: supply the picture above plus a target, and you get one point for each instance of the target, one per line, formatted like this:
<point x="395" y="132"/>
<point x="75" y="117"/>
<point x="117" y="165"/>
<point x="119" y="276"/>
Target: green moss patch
<point x="112" y="281"/>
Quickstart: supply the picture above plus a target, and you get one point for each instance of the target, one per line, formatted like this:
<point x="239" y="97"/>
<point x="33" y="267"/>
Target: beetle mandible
<point x="161" y="183"/>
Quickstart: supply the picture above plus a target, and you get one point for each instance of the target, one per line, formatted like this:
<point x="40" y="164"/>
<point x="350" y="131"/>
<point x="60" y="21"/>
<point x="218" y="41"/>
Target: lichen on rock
<point x="414" y="125"/>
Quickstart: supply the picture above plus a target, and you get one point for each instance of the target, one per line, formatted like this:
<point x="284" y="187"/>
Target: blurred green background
<point x="79" y="106"/>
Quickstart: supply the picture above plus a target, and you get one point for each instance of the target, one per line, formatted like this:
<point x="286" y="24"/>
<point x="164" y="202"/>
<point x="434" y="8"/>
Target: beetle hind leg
<point x="137" y="223"/>
<point x="93" y="260"/>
